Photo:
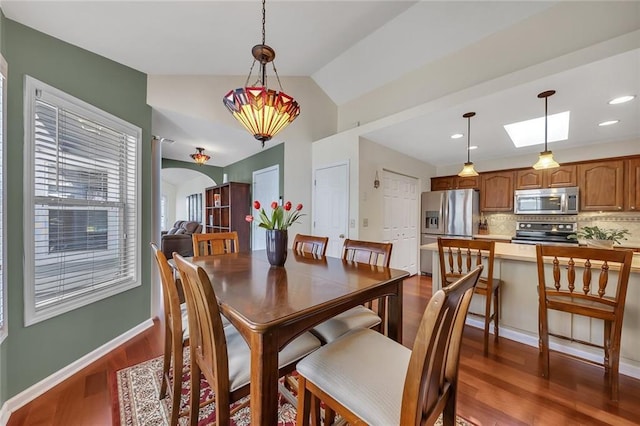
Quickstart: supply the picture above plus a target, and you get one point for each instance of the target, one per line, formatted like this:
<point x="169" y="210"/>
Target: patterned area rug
<point x="138" y="388"/>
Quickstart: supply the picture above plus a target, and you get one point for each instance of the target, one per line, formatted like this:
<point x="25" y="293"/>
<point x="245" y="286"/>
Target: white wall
<point x="377" y="157"/>
<point x="192" y="186"/>
<point x="168" y="190"/>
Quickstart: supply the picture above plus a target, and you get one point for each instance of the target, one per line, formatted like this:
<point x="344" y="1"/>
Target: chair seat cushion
<point x="358" y="317"/>
<point x="372" y="390"/>
<point x="240" y="355"/>
<point x="185" y="321"/>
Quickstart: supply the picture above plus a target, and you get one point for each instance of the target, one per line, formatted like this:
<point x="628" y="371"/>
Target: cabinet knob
<point x="633" y="207"/>
<point x="619" y="207"/>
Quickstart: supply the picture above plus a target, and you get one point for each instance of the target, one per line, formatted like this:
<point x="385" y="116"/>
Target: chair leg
<point x="607" y="346"/>
<point x="166" y="362"/>
<point x="496" y="313"/>
<point x="194" y="394"/>
<point x="449" y="411"/>
<point x="176" y="393"/>
<point x="487" y="321"/>
<point x="304" y="402"/>
<point x="544" y="342"/>
<point x="614" y="359"/>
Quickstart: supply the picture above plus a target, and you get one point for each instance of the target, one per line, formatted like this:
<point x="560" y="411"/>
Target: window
<point x="81" y="186"/>
<point x="3" y="272"/>
<point x="163" y="213"/>
<point x="194" y="207"/>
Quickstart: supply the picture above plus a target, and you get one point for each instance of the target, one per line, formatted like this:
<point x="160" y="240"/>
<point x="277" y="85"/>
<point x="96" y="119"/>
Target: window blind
<point x="84" y="203"/>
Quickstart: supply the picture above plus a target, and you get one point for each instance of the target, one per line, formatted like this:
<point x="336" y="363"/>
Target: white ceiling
<point x="349" y="48"/>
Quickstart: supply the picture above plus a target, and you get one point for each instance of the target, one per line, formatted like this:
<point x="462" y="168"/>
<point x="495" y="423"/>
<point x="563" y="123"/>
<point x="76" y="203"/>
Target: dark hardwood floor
<point x="501" y="389"/>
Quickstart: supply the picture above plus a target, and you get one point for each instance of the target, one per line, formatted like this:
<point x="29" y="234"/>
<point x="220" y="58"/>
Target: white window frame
<point x="4" y="320"/>
<point x="70" y="103"/>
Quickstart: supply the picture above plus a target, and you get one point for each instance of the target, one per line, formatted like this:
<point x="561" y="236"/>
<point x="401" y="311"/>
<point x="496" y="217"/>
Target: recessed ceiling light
<point x="621" y="99"/>
<point x="531" y="132"/>
<point x="608" y="123"/>
<point x="472" y="147"/>
<point x="457" y="136"/>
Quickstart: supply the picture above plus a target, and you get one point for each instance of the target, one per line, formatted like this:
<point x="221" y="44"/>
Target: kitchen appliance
<point x="548" y="233"/>
<point x="449" y="214"/>
<point x="546" y="201"/>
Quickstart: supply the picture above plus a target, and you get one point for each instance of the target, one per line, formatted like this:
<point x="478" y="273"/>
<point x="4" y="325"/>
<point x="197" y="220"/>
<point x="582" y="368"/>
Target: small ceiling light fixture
<point x="621" y="99"/>
<point x="261" y="111"/>
<point x="376" y="181"/>
<point x="200" y="157"/>
<point x="608" y="123"/>
<point x="545" y="160"/>
<point x="457" y="136"/>
<point x="468" y="170"/>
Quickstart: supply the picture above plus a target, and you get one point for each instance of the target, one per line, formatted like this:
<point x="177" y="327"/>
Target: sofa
<point x="178" y="238"/>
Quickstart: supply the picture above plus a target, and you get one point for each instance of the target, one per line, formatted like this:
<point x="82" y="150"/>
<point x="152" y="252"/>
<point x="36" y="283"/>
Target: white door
<point x="400" y="221"/>
<point x="331" y="205"/>
<point x="266" y="188"/>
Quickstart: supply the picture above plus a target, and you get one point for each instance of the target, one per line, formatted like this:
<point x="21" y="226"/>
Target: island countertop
<point x="525" y="252"/>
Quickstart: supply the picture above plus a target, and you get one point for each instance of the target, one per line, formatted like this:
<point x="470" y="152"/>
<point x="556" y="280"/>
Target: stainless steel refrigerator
<point x="452" y="214"/>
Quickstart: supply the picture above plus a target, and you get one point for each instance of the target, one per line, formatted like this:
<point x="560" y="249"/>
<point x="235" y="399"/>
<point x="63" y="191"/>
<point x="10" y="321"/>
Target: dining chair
<point x="220" y="353"/>
<point x="176" y="334"/>
<point x="362" y="316"/>
<point x="603" y="300"/>
<point x="215" y="243"/>
<point x="367" y="378"/>
<point x="458" y="257"/>
<point x="310" y="244"/>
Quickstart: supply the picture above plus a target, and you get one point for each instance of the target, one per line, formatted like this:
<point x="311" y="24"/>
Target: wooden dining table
<point x="270" y="306"/>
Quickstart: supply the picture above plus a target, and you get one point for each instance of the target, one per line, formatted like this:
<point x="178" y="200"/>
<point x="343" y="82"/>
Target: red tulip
<point x="299" y="207"/>
<point x="248" y="217"/>
<point x="287" y="205"/>
<point x="256" y="205"/>
<point x="274" y="205"/>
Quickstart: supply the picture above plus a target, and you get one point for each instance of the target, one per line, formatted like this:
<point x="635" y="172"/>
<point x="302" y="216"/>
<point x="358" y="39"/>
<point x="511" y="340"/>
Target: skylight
<point x="531" y="132"/>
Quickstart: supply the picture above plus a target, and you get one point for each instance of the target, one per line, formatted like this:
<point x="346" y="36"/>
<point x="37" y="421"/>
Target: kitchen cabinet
<point x="496" y="194"/>
<point x="559" y="177"/>
<point x="455" y="182"/>
<point x="633" y="184"/>
<point x="226" y="207"/>
<point x="601" y="185"/>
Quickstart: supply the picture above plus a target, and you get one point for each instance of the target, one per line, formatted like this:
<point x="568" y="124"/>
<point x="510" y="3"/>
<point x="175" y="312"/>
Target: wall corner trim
<point x="37" y="389"/>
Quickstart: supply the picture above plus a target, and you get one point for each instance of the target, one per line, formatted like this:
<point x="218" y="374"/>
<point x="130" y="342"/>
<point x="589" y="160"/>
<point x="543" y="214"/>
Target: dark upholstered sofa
<point x="178" y="238"/>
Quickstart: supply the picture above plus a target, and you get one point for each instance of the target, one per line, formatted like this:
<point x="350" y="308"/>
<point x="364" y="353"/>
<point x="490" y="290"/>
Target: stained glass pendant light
<point x="468" y="170"/>
<point x="262" y="111"/>
<point x="545" y="160"/>
<point x="200" y="157"/>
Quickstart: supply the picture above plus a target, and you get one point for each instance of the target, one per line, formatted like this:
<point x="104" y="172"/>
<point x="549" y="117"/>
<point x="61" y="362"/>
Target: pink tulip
<point x="256" y="205"/>
<point x="287" y="206"/>
<point x="274" y="205"/>
<point x="299" y="207"/>
<point x="249" y="218"/>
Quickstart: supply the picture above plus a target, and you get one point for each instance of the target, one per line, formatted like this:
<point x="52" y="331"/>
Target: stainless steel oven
<point x="546" y="201"/>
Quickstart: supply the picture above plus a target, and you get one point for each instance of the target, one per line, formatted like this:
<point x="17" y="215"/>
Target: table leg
<point x="394" y="323"/>
<point x="264" y="379"/>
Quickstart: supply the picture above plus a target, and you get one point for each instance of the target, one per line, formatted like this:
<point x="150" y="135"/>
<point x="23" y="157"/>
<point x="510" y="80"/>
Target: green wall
<point x="242" y="171"/>
<point x="214" y="172"/>
<point x="31" y="354"/>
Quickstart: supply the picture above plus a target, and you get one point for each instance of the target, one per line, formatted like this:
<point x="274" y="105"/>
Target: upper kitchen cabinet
<point x="455" y="182"/>
<point x="601" y="185"/>
<point x="496" y="194"/>
<point x="559" y="177"/>
<point x="633" y="184"/>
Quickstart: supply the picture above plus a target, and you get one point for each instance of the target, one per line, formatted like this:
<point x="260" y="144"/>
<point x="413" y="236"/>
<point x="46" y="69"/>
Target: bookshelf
<point x="226" y="206"/>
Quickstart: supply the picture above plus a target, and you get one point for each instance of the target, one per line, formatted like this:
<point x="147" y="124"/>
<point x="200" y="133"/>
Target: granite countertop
<point x="525" y="252"/>
<point x="492" y="237"/>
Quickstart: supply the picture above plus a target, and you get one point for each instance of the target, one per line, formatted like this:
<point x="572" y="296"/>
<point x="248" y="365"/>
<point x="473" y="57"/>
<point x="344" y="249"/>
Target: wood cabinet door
<point x="601" y="185"/>
<point x="633" y="184"/>
<point x="529" y="179"/>
<point x="441" y="183"/>
<point x="497" y="192"/>
<point x="472" y="182"/>
<point x="560" y="177"/>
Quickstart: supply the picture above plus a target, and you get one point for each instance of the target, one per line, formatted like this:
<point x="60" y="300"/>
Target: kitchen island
<point x="515" y="265"/>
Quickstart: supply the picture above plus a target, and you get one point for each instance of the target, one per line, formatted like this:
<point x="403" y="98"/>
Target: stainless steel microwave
<point x="546" y="201"/>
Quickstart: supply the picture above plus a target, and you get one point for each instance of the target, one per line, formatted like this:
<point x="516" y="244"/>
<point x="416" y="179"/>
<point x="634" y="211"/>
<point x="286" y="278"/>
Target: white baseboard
<point x="37" y="389"/>
<point x="627" y="367"/>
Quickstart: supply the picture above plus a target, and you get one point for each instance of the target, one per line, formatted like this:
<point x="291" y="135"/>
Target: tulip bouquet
<point x="281" y="218"/>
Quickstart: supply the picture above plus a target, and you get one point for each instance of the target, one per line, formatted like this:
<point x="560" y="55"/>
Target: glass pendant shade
<point x="546" y="161"/>
<point x="468" y="170"/>
<point x="200" y="157"/>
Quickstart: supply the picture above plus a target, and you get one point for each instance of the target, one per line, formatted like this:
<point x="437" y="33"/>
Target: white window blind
<point x="3" y="293"/>
<point x="83" y="186"/>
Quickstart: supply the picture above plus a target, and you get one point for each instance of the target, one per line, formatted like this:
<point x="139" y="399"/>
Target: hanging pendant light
<point x="263" y="112"/>
<point x="468" y="170"/>
<point x="545" y="160"/>
<point x="199" y="157"/>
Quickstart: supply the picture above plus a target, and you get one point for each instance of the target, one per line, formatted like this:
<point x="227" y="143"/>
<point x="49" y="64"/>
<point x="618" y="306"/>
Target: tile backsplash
<point x="505" y="223"/>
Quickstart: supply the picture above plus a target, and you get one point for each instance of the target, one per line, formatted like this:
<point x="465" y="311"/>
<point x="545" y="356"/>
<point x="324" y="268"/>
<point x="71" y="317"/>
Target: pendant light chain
<point x="468" y="138"/>
<point x="545" y="122"/>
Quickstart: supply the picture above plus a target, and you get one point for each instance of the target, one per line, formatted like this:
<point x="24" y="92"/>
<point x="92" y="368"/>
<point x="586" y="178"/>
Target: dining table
<point x="270" y="306"/>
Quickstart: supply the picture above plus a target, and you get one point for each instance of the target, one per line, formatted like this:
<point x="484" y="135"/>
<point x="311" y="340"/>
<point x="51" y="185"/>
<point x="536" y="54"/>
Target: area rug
<point x="138" y="404"/>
